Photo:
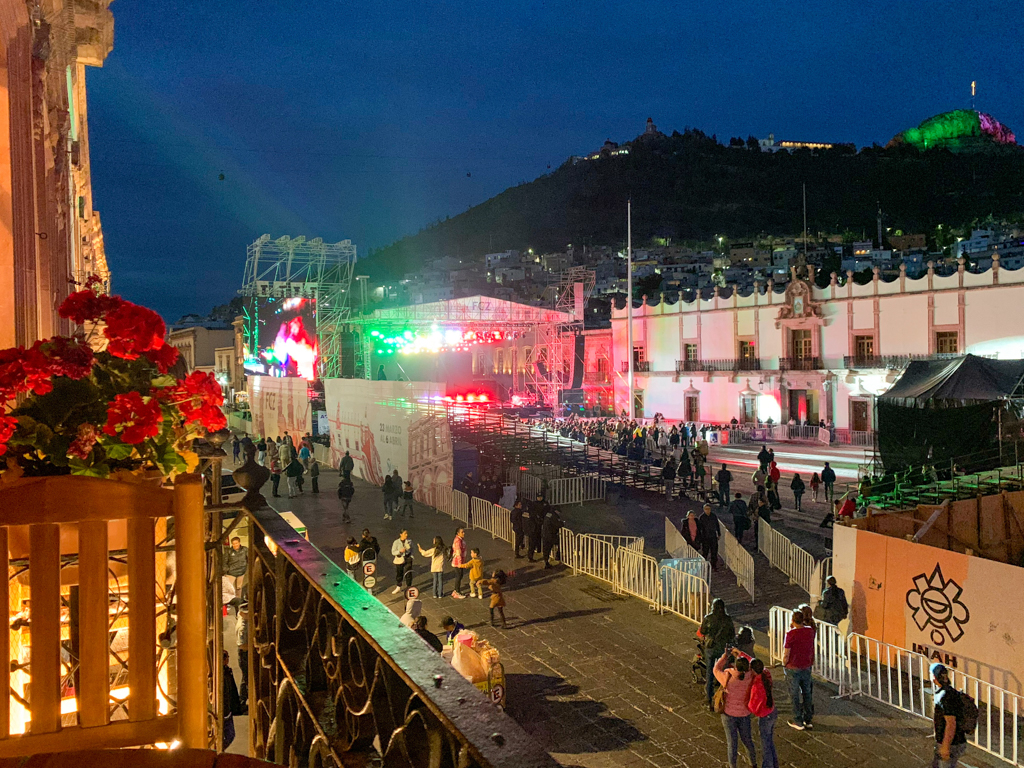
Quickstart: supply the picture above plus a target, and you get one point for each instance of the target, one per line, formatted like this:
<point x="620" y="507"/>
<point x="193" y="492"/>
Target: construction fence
<point x="900" y="678"/>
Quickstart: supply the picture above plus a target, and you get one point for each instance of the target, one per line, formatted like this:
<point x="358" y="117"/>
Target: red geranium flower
<point x="22" y="370"/>
<point x="64" y="356"/>
<point x="8" y="425"/>
<point x="132" y="330"/>
<point x="82" y="306"/>
<point x="199" y="398"/>
<point x="81" y="446"/>
<point x="132" y="418"/>
<point x="162" y="357"/>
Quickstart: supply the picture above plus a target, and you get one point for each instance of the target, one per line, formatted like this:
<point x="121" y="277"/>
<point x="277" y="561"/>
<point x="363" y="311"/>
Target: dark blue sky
<point x="362" y="120"/>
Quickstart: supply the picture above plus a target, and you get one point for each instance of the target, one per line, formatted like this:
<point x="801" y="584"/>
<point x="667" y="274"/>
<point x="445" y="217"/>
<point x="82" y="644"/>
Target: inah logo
<point x="936" y="603"/>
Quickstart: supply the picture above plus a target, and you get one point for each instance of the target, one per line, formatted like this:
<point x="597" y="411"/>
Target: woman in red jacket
<point x="761" y="704"/>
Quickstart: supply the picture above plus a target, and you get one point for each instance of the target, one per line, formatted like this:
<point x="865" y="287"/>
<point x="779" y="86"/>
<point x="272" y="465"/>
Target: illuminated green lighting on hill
<point x="945" y="127"/>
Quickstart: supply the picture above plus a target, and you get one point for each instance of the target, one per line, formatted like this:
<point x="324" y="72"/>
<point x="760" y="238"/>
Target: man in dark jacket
<point x="707" y="525"/>
<point x="740" y="516"/>
<point x="668" y="477"/>
<point x="347" y="465"/>
<point x="345" y="493"/>
<point x="368" y="543"/>
<point x="549" y="534"/>
<point x="828" y="479"/>
<point x="763" y="457"/>
<point x="538" y="510"/>
<point x="518" y="528"/>
<point x="724" y="478"/>
<point x="833" y="606"/>
<point x="468" y="485"/>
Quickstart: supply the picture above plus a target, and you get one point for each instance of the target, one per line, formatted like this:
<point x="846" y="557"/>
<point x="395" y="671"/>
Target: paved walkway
<point x="599" y="679"/>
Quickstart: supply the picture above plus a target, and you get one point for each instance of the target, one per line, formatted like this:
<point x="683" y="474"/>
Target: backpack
<point x="968" y="723"/>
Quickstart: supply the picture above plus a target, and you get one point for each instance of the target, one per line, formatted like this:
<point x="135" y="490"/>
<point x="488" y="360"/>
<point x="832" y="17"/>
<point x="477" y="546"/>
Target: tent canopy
<point x="962" y="380"/>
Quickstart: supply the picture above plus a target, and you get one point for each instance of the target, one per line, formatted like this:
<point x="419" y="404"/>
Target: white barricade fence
<point x="831" y="647"/>
<point x="575" y="490"/>
<point x="676" y="545"/>
<point x="323" y="455"/>
<point x="501" y="524"/>
<point x="824" y="436"/>
<point x="442" y="500"/>
<point x="794" y="561"/>
<point x="773" y="545"/>
<point x="595" y="556"/>
<point x="636" y="543"/>
<point x="637" y="574"/>
<point x="566" y="548"/>
<point x="481" y="509"/>
<point x="801" y="569"/>
<point x="684" y="594"/>
<point x="738" y="560"/>
<point x="460" y="507"/>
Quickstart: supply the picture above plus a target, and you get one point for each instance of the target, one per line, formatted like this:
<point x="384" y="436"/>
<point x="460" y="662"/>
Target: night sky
<point x="368" y="120"/>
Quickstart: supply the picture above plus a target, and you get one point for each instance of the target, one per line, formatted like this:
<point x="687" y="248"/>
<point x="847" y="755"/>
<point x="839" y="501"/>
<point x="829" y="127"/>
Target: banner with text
<point x="389" y="425"/>
<point x="280" y="405"/>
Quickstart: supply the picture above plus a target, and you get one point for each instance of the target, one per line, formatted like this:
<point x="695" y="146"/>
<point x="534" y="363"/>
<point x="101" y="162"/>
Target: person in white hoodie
<point x="401" y="553"/>
<point x="437" y="555"/>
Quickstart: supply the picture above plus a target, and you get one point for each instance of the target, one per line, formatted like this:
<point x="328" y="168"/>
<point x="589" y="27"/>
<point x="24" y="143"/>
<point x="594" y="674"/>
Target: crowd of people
<point x="282" y="456"/>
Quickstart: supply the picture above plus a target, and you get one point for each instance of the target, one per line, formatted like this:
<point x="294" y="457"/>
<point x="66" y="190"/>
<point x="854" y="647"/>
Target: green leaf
<point x="115" y="449"/>
<point x="79" y="467"/>
<point x="167" y="459"/>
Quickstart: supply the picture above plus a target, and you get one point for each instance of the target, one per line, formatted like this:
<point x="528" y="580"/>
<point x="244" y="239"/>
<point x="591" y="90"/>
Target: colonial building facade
<point x="50" y="236"/>
<point x="807" y="353"/>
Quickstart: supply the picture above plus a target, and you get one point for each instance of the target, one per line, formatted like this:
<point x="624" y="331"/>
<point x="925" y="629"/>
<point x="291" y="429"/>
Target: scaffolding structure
<point x="555" y="345"/>
<point x="296" y="267"/>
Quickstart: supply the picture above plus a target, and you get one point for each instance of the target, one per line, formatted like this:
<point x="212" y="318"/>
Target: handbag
<point x="720" y="696"/>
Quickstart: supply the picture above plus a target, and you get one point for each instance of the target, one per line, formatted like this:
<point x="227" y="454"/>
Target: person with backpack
<point x="735" y="681"/>
<point x="956" y="715"/>
<point x="828" y="479"/>
<point x="346" y="490"/>
<point x="717" y="631"/>
<point x="761" y="704"/>
<point x="833" y="606"/>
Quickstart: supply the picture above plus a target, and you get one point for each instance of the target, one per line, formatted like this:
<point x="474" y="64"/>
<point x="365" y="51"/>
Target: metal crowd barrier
<point x="567" y="548"/>
<point x="831" y="647"/>
<point x="684" y="594"/>
<point x="595" y="556"/>
<point x="575" y="490"/>
<point x="738" y="560"/>
<point x="794" y="561"/>
<point x="460" y="507"/>
<point x="637" y="574"/>
<point x="501" y="524"/>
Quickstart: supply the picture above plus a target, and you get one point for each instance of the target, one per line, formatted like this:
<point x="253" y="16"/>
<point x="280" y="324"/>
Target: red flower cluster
<point x="8" y="424"/>
<point x="162" y="357"/>
<point x="199" y="398"/>
<point x="81" y="446"/>
<point x="130" y="329"/>
<point x="24" y="370"/>
<point x="133" y="419"/>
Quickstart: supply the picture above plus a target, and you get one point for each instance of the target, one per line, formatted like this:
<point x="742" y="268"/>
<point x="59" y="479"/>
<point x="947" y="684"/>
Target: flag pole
<point x="629" y="305"/>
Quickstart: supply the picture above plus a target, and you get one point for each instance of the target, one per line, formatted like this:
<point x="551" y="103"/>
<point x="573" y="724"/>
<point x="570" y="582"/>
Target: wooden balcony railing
<point x="88" y="565"/>
<point x="333" y="673"/>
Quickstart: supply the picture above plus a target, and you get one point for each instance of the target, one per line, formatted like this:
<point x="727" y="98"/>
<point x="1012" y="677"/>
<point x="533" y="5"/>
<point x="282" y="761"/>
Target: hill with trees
<point x="688" y="187"/>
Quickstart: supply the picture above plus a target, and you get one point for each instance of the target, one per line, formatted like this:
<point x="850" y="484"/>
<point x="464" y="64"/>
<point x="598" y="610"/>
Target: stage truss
<point x="294" y="266"/>
<point x="550" y="363"/>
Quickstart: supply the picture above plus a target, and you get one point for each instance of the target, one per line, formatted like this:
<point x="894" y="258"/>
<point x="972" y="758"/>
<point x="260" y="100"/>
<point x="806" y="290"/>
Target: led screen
<point x="285" y="338"/>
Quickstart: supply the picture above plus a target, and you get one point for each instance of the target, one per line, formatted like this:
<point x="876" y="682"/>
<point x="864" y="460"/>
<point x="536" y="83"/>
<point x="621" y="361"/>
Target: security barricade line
<point x="481" y="513"/>
<point x="460" y="507"/>
<point x="684" y="594"/>
<point x="501" y="524"/>
<point x="567" y="548"/>
<point x="801" y="569"/>
<point x="575" y="490"/>
<point x="636" y="543"/>
<point x="794" y="561"/>
<point x="739" y="561"/>
<point x="637" y="574"/>
<point x="595" y="556"/>
<point x="900" y="678"/>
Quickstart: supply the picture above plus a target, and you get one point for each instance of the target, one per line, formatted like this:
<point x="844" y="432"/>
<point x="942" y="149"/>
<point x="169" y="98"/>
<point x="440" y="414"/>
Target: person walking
<point x="496" y="584"/>
<point x="304" y="455"/>
<point x="261" y="451"/>
<point x="458" y="559"/>
<point x="294" y="472"/>
<point x="668" y="477"/>
<point x="401" y="554"/>
<point x="437" y="554"/>
<point x="798" y="659"/>
<point x="691" y="530"/>
<point x="763" y="457"/>
<point x="347" y="465"/>
<point x="815" y="486"/>
<point x="717" y="631"/>
<point x="950" y="734"/>
<point x="387" y="491"/>
<point x="236" y="565"/>
<point x="709" y="533"/>
<point x="475" y="566"/>
<point x="740" y="517"/>
<point x="236" y="447"/>
<point x="724" y="479"/>
<point x="406" y="500"/>
<point x="833" y="607"/>
<point x="828" y="479"/>
<point x="345" y="493"/>
<point x="550" y="527"/>
<point x="735" y="681"/>
<point x="314" y="475"/>
<point x="518" y="527"/>
<point x="275" y="472"/>
<point x="396" y="492"/>
<point x="762" y="706"/>
<point x="797" y="486"/>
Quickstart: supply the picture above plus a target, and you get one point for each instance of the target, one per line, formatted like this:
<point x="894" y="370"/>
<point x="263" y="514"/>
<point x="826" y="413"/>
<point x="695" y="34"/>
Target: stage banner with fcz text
<point x="389" y="425"/>
<point x="279" y="405"/>
<point x="960" y="610"/>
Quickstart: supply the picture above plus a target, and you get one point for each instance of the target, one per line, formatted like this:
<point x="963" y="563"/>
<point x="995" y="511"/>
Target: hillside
<point x="688" y="186"/>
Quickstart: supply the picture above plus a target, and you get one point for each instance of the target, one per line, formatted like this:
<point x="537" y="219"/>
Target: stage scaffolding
<point x="548" y="361"/>
<point x="297" y="267"/>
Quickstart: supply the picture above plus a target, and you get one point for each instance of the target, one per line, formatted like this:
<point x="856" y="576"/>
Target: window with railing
<point x="690" y="352"/>
<point x="747" y="354"/>
<point x="864" y="347"/>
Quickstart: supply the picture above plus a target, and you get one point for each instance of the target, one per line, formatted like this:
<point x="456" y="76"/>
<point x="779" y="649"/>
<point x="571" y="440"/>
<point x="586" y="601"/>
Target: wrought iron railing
<point x="596" y="377"/>
<point x="896" y="361"/>
<point x="335" y="679"/>
<point x="700" y="366"/>
<point x="799" y="363"/>
<point x="639" y="366"/>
